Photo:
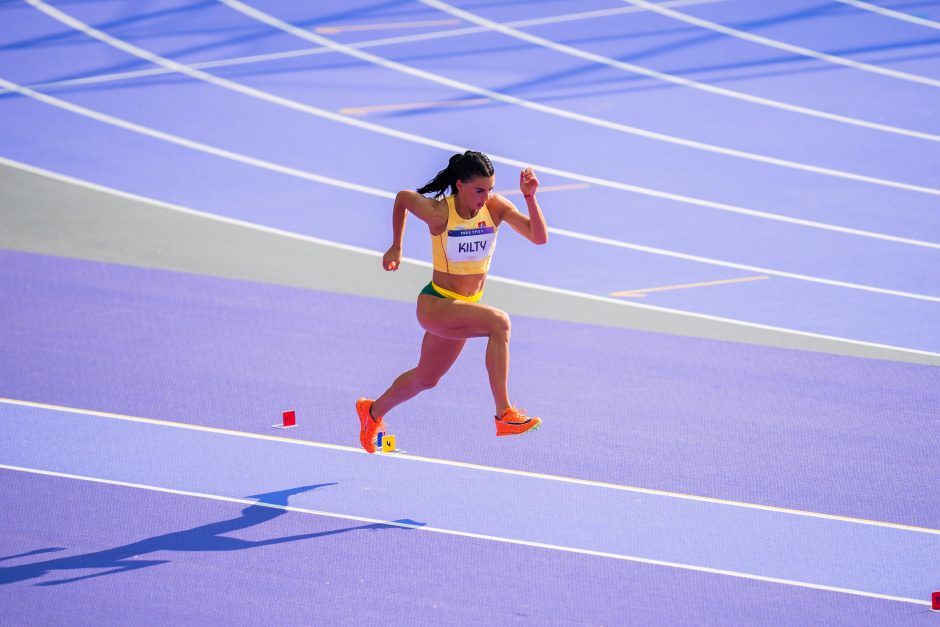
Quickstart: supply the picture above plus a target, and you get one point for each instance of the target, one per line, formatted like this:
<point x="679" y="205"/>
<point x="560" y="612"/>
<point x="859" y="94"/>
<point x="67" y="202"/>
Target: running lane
<point x="749" y="423"/>
<point x="482" y="503"/>
<point x="247" y="563"/>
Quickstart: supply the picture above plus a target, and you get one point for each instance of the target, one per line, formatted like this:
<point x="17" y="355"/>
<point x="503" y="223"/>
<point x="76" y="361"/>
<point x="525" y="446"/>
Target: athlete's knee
<point x="426" y="380"/>
<point x="500" y="324"/>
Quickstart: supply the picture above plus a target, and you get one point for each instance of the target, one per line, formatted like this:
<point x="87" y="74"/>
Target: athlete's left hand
<point x="528" y="182"/>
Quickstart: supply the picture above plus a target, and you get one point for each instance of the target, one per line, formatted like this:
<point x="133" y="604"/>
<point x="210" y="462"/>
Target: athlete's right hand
<point x="391" y="259"/>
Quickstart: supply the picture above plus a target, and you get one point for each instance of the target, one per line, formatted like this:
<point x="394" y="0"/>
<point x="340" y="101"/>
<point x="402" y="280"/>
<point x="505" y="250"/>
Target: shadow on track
<point x="203" y="538"/>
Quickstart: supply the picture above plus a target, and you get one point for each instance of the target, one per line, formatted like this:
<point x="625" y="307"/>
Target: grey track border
<point x="53" y="216"/>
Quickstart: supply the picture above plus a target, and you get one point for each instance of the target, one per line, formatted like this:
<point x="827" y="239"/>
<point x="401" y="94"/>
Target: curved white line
<point x="507" y="29"/>
<point x="274" y="167"/>
<point x="370" y="43"/>
<point x="730" y="264"/>
<point x="571" y="115"/>
<point x="483" y="467"/>
<point x="297" y="106"/>
<point x="728" y="93"/>
<point x="779" y="45"/>
<point x="465" y="534"/>
<point x="898" y="15"/>
<point x="417" y="262"/>
<point x="188" y="143"/>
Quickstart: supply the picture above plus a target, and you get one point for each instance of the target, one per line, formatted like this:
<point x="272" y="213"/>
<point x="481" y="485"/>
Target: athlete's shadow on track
<point x="203" y="538"/>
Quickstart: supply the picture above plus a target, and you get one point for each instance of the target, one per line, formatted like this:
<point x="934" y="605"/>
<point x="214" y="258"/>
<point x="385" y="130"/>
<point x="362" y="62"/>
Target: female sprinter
<point x="463" y="228"/>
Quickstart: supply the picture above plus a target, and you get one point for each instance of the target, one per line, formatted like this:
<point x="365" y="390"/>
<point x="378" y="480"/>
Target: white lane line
<point x="492" y="278"/>
<point x="359" y="123"/>
<point x="563" y="113"/>
<point x="779" y="45"/>
<point x="737" y="266"/>
<point x="372" y="43"/>
<point x="188" y="143"/>
<point x="465" y="534"/>
<point x="898" y="15"/>
<point x="456" y="464"/>
<point x="507" y="29"/>
<point x="389" y="41"/>
<point x="310" y="176"/>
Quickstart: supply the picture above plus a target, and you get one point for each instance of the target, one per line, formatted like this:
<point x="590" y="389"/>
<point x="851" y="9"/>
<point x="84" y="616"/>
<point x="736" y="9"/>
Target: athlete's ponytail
<point x="460" y="167"/>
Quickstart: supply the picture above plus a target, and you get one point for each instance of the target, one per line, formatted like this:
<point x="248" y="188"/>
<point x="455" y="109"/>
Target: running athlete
<point x="463" y="228"/>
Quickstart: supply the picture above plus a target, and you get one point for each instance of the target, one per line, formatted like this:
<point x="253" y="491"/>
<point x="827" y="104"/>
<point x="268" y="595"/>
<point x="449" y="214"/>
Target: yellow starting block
<point x="388" y="443"/>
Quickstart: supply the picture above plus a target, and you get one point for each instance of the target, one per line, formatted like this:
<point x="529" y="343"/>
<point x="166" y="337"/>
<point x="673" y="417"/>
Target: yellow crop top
<point x="465" y="246"/>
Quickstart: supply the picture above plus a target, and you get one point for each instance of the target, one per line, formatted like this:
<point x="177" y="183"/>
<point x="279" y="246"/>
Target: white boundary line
<point x="898" y="15"/>
<point x="424" y="264"/>
<point x="226" y="84"/>
<point x="472" y="466"/>
<point x="233" y="156"/>
<point x="562" y="113"/>
<point x="371" y="43"/>
<point x="281" y="169"/>
<point x="507" y="29"/>
<point x="737" y="266"/>
<point x="548" y="110"/>
<point x="370" y="58"/>
<point x="188" y="143"/>
<point x="779" y="45"/>
<point x="465" y="534"/>
<point x="568" y="50"/>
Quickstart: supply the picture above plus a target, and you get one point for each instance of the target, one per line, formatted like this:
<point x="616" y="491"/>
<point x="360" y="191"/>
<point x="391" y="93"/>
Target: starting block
<point x="289" y="420"/>
<point x="378" y="439"/>
<point x="935" y="600"/>
<point x="388" y="443"/>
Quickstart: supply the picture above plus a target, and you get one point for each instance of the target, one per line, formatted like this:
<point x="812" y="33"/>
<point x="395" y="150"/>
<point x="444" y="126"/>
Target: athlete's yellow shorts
<point x="432" y="289"/>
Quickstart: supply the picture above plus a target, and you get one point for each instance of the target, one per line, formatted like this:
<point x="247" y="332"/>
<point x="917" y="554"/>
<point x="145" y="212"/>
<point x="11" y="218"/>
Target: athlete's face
<point x="475" y="192"/>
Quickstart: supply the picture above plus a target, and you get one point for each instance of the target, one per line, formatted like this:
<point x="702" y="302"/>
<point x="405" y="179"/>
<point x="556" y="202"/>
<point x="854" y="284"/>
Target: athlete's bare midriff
<point x="463" y="284"/>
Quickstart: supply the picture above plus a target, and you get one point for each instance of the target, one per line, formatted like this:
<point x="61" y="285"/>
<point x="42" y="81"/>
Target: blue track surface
<point x="737" y="160"/>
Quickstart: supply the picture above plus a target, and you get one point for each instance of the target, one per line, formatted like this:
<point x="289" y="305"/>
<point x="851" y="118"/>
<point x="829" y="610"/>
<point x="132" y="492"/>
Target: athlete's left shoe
<point x="514" y="421"/>
<point x="368" y="426"/>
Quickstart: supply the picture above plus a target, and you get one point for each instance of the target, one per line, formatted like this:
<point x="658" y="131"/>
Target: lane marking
<point x="446" y="462"/>
<point x="740" y="266"/>
<point x="670" y="78"/>
<point x="494" y="278"/>
<point x="281" y="169"/>
<point x="779" y="45"/>
<point x="898" y="15"/>
<point x="562" y="113"/>
<point x="384" y="194"/>
<point x="192" y="144"/>
<point x="465" y="534"/>
<point x="373" y="43"/>
<point x="643" y="292"/>
<point x="343" y="28"/>
<point x="351" y="121"/>
<point x="412" y="106"/>
<point x="522" y="23"/>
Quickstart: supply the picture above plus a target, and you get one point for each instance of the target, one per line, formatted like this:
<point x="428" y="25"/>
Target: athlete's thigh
<point x="438" y="354"/>
<point x="456" y="319"/>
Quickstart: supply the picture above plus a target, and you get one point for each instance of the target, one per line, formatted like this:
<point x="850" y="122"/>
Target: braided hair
<point x="460" y="167"/>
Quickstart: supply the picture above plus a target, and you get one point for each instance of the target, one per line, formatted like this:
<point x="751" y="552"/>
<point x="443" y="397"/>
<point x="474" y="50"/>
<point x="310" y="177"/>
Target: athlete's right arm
<point x="427" y="210"/>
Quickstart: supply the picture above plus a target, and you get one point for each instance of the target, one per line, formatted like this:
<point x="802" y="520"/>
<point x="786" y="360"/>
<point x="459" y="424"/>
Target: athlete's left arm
<point x="532" y="226"/>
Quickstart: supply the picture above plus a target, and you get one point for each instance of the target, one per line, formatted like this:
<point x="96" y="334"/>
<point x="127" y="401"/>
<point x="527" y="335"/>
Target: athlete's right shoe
<point x="368" y="426"/>
<point x="514" y="421"/>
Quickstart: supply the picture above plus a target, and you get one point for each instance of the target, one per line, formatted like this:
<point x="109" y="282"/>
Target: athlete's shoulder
<point x="499" y="203"/>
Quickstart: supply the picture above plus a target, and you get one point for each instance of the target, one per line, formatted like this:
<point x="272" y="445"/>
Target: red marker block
<point x="935" y="600"/>
<point x="289" y="420"/>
